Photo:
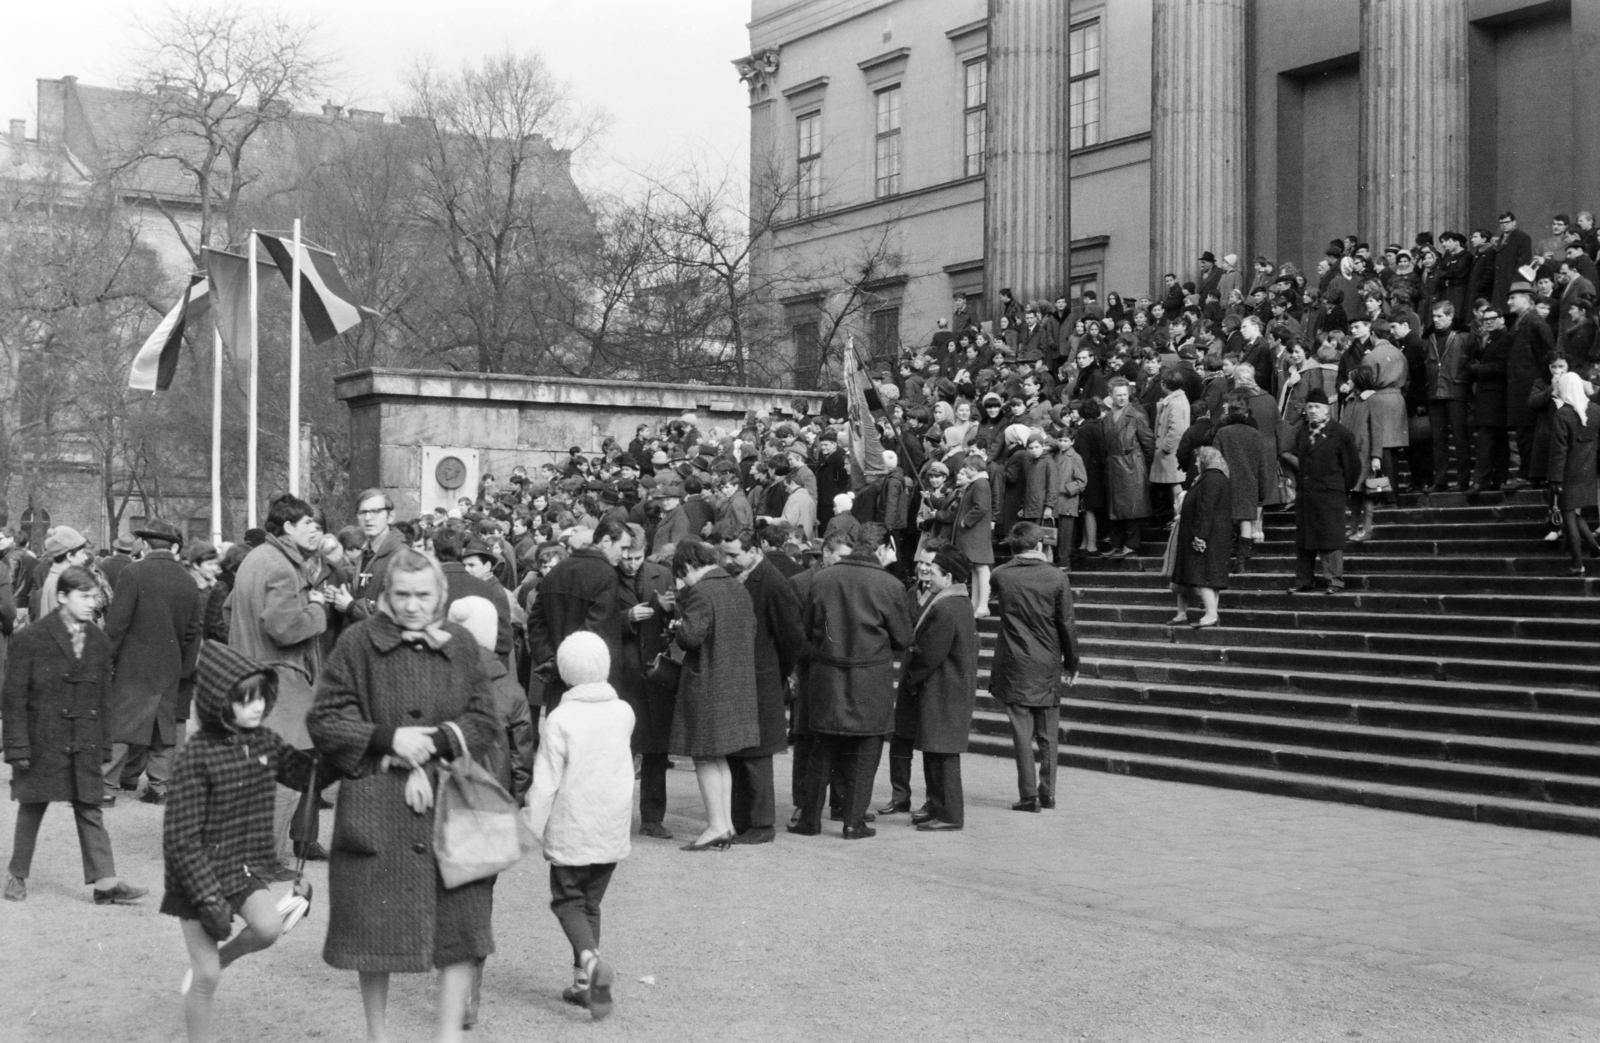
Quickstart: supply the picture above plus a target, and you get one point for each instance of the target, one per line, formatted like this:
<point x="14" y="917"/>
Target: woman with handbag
<point x="1574" y="439"/>
<point x="393" y="683"/>
<point x="1202" y="539"/>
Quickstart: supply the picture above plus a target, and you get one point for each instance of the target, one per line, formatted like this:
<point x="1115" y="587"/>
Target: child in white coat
<point x="581" y="807"/>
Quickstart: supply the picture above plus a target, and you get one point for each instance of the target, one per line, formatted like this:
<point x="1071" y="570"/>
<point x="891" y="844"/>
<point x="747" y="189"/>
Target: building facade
<point x="1057" y="146"/>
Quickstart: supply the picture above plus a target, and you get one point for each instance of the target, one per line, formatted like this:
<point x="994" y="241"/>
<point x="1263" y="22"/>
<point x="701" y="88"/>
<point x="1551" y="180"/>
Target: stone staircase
<point x="1458" y="674"/>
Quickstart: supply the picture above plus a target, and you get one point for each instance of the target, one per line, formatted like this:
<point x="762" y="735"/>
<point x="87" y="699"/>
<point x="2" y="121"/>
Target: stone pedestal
<point x="1413" y="119"/>
<point x="1027" y="226"/>
<point x="1197" y="166"/>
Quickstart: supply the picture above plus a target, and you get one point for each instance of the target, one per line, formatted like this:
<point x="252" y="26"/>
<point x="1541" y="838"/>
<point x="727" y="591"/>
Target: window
<point x="1083" y="68"/>
<point x="976" y="103"/>
<point x="887" y="165"/>
<point x="1082" y="281"/>
<point x="808" y="183"/>
<point x="885" y="334"/>
<point x="807" y="354"/>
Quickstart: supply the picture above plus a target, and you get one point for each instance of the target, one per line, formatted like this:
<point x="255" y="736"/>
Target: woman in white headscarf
<point x="1573" y="443"/>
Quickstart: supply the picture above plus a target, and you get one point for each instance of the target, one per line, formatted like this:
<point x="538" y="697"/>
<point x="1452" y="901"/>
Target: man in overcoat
<point x="1513" y="248"/>
<point x="644" y="592"/>
<point x="1526" y="360"/>
<point x="154" y="625"/>
<point x="1037" y="640"/>
<point x="1330" y="464"/>
<point x="374" y="513"/>
<point x="856" y="620"/>
<point x="579" y="594"/>
<point x="1130" y="446"/>
<point x="779" y="636"/>
<point x="938" y="688"/>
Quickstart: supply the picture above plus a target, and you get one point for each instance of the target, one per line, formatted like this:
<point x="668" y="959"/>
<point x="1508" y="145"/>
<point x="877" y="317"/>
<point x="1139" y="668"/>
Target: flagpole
<point x="255" y="381"/>
<point x="216" y="432"/>
<point x="294" y="366"/>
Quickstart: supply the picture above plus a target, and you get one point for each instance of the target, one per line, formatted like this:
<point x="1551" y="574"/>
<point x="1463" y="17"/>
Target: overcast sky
<point x="659" y="68"/>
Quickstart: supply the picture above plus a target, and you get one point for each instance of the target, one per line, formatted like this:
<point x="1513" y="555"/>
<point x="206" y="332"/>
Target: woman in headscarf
<point x="1572" y="462"/>
<point x="1204" y="541"/>
<point x="386" y="696"/>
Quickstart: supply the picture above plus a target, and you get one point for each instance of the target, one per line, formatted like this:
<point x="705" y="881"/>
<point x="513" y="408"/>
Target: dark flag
<point x="328" y="305"/>
<point x="157" y="361"/>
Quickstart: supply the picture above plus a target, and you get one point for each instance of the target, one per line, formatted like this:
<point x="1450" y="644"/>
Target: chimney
<point x="19" y="131"/>
<point x="332" y="111"/>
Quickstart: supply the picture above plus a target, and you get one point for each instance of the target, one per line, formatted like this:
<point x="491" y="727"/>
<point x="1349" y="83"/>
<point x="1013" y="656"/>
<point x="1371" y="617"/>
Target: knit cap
<point x="478" y="617"/>
<point x="62" y="539"/>
<point x="583" y="659"/>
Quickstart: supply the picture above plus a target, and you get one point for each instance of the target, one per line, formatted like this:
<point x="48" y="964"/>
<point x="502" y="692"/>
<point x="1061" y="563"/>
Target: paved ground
<point x="1140" y="911"/>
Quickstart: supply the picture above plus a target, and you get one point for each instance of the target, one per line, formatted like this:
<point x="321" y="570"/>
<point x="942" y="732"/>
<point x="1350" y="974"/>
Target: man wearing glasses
<point x="374" y="511"/>
<point x="1513" y="250"/>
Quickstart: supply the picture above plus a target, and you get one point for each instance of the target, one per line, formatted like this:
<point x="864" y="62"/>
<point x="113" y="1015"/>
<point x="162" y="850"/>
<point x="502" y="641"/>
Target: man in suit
<point x="1526" y="361"/>
<point x="1330" y="464"/>
<point x="154" y="625"/>
<point x="1512" y="250"/>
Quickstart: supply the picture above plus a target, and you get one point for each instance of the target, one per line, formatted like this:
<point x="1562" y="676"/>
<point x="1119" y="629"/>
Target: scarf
<point x="954" y="590"/>
<point x="1569" y="389"/>
<point x="433" y="635"/>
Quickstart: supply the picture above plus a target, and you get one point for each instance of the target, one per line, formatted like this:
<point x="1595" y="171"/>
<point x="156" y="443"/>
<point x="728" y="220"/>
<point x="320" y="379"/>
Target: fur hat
<point x="583" y="658"/>
<point x="1316" y="396"/>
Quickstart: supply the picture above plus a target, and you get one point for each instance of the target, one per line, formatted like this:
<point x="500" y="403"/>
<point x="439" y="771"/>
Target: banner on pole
<point x="156" y="362"/>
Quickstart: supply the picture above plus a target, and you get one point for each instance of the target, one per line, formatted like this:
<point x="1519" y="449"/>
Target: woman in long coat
<point x="1090" y="442"/>
<point x="974" y="530"/>
<point x="1573" y="445"/>
<point x="716" y="710"/>
<point x="938" y="689"/>
<point x="1236" y="436"/>
<point x="1172" y="420"/>
<point x="1205" y="533"/>
<point x="393" y="682"/>
<point x="54" y="732"/>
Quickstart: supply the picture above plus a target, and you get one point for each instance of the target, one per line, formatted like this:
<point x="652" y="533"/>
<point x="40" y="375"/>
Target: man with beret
<point x="154" y="624"/>
<point x="833" y="476"/>
<point x="1330" y="464"/>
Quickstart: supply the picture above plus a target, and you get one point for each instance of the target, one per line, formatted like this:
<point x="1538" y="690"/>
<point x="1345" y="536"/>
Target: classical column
<point x="1197" y="161"/>
<point x="1026" y="225"/>
<point x="1413" y="119"/>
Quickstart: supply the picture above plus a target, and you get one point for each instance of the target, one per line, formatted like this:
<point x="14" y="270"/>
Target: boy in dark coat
<point x="54" y="709"/>
<point x="938" y="688"/>
<point x="643" y="598"/>
<point x="1330" y="464"/>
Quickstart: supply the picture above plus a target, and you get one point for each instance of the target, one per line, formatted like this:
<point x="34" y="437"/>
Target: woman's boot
<point x="1363" y="532"/>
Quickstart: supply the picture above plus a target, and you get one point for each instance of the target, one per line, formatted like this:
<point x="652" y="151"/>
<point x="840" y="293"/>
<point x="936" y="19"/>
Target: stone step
<point x="1310" y="614"/>
<point x="1443" y="606"/>
<point x="1382" y="546"/>
<point x="1280" y="575"/>
<point x="1354" y="765"/>
<point x="1486" y="721"/>
<point x="1526" y="814"/>
<point x="1537" y="562"/>
<point x="1447" y="532"/>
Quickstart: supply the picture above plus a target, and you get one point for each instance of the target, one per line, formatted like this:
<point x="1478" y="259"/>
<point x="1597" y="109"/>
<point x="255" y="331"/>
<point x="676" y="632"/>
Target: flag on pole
<point x="326" y="302"/>
<point x="157" y="361"/>
<point x="866" y="450"/>
<point x="229" y="278"/>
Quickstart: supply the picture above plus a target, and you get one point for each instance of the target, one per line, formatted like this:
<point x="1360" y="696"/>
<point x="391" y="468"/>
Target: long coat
<point x="1488" y="371"/>
<point x="1207" y="514"/>
<point x="54" y="713"/>
<point x="1276" y="437"/>
<point x="641" y="642"/>
<point x="974" y="522"/>
<point x="716" y="707"/>
<point x="388" y="908"/>
<point x="1386" y="406"/>
<point x="780" y="632"/>
<point x="273" y="621"/>
<point x="1037" y="637"/>
<point x="1240" y="444"/>
<point x="1572" y="457"/>
<point x="939" y="676"/>
<point x="1514" y="251"/>
<point x="1129" y="449"/>
<point x="1172" y="420"/>
<point x="579" y="594"/>
<point x="1330" y="465"/>
<point x="1531" y="344"/>
<point x="1090" y="442"/>
<point x="856" y="619"/>
<point x="154" y="626"/>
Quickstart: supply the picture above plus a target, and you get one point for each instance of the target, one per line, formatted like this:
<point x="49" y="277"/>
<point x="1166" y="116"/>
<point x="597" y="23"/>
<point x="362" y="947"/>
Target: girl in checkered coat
<point x="217" y="835"/>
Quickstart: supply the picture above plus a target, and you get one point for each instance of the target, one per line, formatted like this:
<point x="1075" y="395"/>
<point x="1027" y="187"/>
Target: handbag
<point x="1169" y="560"/>
<point x="477" y="831"/>
<point x="1288" y="488"/>
<point x="665" y="669"/>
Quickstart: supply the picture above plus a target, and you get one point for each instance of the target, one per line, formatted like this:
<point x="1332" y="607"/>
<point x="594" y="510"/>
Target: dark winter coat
<point x="464" y="584"/>
<point x="857" y="618"/>
<point x="1329" y="466"/>
<point x="388" y="909"/>
<point x="780" y="633"/>
<point x="1130" y="446"/>
<point x="1514" y="251"/>
<point x="372" y="572"/>
<point x="217" y="829"/>
<point x="939" y="675"/>
<point x="580" y="593"/>
<point x="154" y="626"/>
<point x="1489" y="381"/>
<point x="1037" y="636"/>
<point x="1240" y="444"/>
<point x="1014" y="472"/>
<point x="1206" y="514"/>
<point x="511" y="761"/>
<point x="1090" y="442"/>
<point x="1276" y="437"/>
<point x="974" y="522"/>
<point x="641" y="642"/>
<point x="1531" y="344"/>
<point x="716" y="710"/>
<point x="53" y="713"/>
<point x="833" y="478"/>
<point x="274" y="621"/>
<point x="1572" y="457"/>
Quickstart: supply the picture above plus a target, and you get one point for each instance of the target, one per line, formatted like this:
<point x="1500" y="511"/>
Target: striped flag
<point x="866" y="450"/>
<point x="153" y="367"/>
<point x="328" y="305"/>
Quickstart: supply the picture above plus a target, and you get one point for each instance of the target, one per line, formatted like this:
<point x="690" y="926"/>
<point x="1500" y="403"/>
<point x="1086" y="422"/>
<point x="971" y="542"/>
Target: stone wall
<point x="403" y="421"/>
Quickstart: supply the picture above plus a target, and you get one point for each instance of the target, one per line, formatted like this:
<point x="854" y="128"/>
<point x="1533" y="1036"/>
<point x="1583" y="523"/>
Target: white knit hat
<point x="479" y="618"/>
<point x="583" y="658"/>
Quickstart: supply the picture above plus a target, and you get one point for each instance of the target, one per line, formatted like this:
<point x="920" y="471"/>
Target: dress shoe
<point x="1026" y="804"/>
<point x="655" y="829"/>
<point x="838" y="816"/>
<point x="923" y="815"/>
<point x="937" y="826"/>
<point x="16" y="889"/>
<point x="281" y="874"/>
<point x="1047" y="803"/>
<point x="150" y="796"/>
<point x="803" y="830"/>
<point x="757" y="835"/>
<point x="894" y="808"/>
<point x="122" y="894"/>
<point x="851" y="833"/>
<point x="577" y="995"/>
<point x="312" y="852"/>
<point x="128" y="787"/>
<point x="714" y="844"/>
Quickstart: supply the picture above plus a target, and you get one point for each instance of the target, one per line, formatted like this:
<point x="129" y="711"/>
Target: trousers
<point x="94" y="843"/>
<point x="753" y="798"/>
<point x="946" y="799"/>
<point x="859" y="757"/>
<point x="900" y="754"/>
<point x="803" y="747"/>
<point x="1035" y="730"/>
<point x="1447" y="418"/>
<point x="128" y="758"/>
<point x="575" y="895"/>
<point x="1066" y="525"/>
<point x="653" y="787"/>
<point x="1490" y="456"/>
<point x="1305" y="566"/>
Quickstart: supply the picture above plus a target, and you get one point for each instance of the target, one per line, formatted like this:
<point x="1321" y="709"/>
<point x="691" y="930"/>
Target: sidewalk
<point x="1140" y="911"/>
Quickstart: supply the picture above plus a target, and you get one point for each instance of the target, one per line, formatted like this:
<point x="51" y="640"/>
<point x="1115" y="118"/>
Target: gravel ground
<point x="1142" y="911"/>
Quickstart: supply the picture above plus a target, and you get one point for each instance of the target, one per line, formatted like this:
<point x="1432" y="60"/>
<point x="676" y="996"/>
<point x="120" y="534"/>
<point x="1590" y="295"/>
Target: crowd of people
<point x="805" y="580"/>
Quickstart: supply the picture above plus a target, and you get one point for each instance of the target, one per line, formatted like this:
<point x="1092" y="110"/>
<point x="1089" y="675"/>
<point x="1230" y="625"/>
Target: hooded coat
<point x="53" y="713"/>
<point x="581" y="803"/>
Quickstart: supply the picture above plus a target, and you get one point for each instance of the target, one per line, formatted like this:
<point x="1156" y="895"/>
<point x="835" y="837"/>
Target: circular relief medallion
<point x="451" y="472"/>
